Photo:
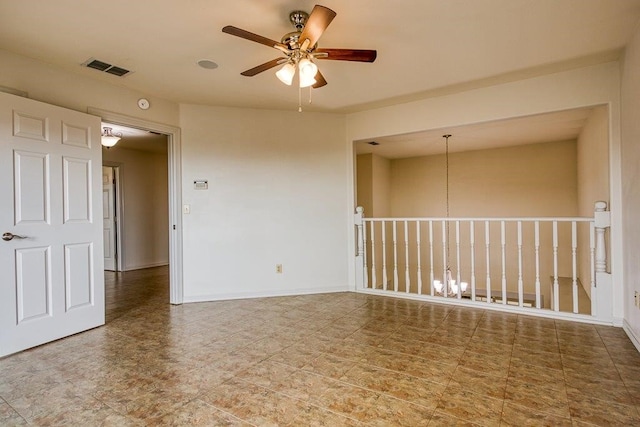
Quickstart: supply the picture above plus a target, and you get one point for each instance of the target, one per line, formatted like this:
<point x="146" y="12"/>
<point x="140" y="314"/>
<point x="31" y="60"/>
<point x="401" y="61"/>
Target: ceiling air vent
<point x="106" y="67"/>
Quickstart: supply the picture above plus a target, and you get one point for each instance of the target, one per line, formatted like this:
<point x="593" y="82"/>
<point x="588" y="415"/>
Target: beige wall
<point x="364" y="183"/>
<point x="521" y="181"/>
<point x="630" y="182"/>
<point x="529" y="180"/>
<point x="274" y="197"/>
<point x="53" y="85"/>
<point x="145" y="229"/>
<point x="373" y="185"/>
<point x="593" y="179"/>
<point x="584" y="87"/>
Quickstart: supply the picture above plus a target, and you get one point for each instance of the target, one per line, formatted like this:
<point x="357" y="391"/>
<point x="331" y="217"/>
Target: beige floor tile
<point x="602" y="412"/>
<point x="469" y="406"/>
<point x="538" y="397"/>
<point x="390" y="411"/>
<point x="348" y="400"/>
<point x="479" y="382"/>
<point x="199" y="413"/>
<point x="520" y="416"/>
<point x="342" y="359"/>
<point x="441" y="419"/>
<point x="406" y="387"/>
<point x="9" y="416"/>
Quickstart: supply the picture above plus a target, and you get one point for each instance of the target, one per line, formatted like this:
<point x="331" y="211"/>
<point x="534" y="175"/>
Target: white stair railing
<point x="536" y="261"/>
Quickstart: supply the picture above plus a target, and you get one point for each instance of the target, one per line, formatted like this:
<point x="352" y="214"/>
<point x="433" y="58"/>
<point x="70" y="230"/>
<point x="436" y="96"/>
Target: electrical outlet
<point x="279" y="268"/>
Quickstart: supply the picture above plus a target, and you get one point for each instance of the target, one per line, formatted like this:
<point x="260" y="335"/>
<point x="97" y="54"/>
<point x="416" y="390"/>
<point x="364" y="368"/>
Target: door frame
<point x="119" y="210"/>
<point x="176" y="293"/>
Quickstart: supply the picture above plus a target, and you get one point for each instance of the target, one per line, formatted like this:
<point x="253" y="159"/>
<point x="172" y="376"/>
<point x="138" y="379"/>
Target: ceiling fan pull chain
<point x="310" y="95"/>
<point x="299" y="99"/>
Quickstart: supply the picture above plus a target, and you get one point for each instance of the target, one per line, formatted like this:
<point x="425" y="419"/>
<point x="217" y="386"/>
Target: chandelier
<point x="448" y="286"/>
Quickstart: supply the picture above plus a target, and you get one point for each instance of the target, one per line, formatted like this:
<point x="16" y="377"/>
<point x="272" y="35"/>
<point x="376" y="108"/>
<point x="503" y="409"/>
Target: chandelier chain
<point x="446" y="156"/>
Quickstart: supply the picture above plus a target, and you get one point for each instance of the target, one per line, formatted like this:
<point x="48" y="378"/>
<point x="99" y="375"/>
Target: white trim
<point x="629" y="330"/>
<point x="143" y="266"/>
<point x="118" y="174"/>
<point x="175" y="191"/>
<point x="264" y="294"/>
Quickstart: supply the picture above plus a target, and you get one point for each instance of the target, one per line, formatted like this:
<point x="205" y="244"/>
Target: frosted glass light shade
<point x="109" y="141"/>
<point x="308" y="71"/>
<point x="306" y="81"/>
<point x="307" y="68"/>
<point x="286" y="73"/>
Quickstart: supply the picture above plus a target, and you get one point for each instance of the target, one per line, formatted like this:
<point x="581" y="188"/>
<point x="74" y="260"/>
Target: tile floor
<point x="337" y="360"/>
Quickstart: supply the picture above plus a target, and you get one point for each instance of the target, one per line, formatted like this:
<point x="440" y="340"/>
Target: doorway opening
<point x="135" y="200"/>
<point x="163" y="142"/>
<point x="111" y="217"/>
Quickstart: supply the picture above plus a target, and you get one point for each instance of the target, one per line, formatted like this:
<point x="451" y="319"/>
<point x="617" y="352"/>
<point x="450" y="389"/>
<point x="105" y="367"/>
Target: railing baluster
<point x="374" y="279"/>
<point x="592" y="250"/>
<point x="395" y="257"/>
<point x="419" y="272"/>
<point x="458" y="260"/>
<point x="445" y="261"/>
<point x="537" y="252"/>
<point x="432" y="277"/>
<point x="487" y="239"/>
<point x="373" y="253"/>
<point x="556" y="287"/>
<point x="384" y="256"/>
<point x="503" y="244"/>
<point x="473" y="260"/>
<point x="407" y="279"/>
<point x="574" y="245"/>
<point x="364" y="254"/>
<point x="520" y="281"/>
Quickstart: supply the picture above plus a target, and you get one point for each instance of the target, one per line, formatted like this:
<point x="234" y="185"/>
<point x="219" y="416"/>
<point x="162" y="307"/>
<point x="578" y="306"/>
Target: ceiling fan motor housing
<point x="298" y="18"/>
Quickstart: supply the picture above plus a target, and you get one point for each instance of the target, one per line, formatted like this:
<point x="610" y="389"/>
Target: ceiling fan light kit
<point x="299" y="49"/>
<point x="286" y="73"/>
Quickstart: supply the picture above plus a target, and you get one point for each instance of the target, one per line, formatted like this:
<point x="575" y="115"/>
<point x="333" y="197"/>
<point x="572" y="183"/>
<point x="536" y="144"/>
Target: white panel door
<point x="109" y="218"/>
<point x="51" y="257"/>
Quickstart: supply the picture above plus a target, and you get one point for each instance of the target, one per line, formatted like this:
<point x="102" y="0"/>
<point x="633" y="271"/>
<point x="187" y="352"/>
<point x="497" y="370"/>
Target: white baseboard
<point x="141" y="267"/>
<point x="263" y="294"/>
<point x="629" y="330"/>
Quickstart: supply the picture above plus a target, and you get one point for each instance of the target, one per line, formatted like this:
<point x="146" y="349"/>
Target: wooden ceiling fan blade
<point x="318" y="21"/>
<point x="320" y="81"/>
<point x="244" y="34"/>
<point x="360" y="55"/>
<point x="264" y="67"/>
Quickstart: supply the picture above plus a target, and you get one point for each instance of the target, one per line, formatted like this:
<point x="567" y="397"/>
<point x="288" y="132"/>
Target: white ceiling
<point x="551" y="127"/>
<point x="424" y="47"/>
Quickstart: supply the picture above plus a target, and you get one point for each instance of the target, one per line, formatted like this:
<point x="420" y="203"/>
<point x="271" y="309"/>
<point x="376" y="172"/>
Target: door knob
<point x="10" y="236"/>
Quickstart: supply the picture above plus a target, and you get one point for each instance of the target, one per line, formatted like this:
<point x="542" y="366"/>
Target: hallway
<point x="333" y="359"/>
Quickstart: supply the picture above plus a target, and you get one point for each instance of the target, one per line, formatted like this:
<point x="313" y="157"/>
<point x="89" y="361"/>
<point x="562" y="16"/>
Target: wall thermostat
<point x="201" y="184"/>
<point x="143" y="103"/>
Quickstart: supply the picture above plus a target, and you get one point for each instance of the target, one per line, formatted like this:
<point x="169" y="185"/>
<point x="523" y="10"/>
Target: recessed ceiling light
<point x="207" y="64"/>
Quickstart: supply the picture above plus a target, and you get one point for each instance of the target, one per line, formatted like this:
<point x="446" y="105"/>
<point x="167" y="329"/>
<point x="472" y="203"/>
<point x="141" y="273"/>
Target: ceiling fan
<point x="299" y="48"/>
